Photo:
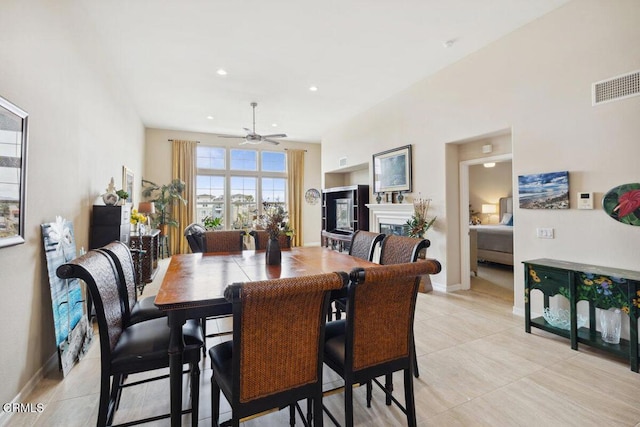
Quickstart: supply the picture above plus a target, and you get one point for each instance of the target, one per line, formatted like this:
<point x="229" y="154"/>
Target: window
<point x="235" y="193"/>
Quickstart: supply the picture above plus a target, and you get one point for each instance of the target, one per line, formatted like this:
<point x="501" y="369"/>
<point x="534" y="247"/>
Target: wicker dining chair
<point x="261" y="237"/>
<point x="363" y="246"/>
<point x="135" y="310"/>
<point x="376" y="337"/>
<point x="223" y="241"/>
<point x="131" y="349"/>
<point x="275" y="357"/>
<point x="398" y="250"/>
<point x="216" y="242"/>
<point x="194" y="233"/>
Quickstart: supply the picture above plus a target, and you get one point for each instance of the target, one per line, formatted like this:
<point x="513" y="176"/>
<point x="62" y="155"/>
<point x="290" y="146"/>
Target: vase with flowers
<point x="419" y="223"/>
<point x="275" y="221"/>
<point x="137" y="220"/>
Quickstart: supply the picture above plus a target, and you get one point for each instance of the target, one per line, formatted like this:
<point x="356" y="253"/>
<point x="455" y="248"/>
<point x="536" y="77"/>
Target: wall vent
<point x="342" y="162"/>
<point x="615" y="88"/>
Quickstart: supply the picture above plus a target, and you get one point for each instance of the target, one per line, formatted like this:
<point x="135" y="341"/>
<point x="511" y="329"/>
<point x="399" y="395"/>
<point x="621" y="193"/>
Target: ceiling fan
<point x="252" y="137"/>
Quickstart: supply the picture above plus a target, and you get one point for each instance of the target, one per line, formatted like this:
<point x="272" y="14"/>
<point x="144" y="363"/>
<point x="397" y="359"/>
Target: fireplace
<point x="389" y="218"/>
<point x="393" y="229"/>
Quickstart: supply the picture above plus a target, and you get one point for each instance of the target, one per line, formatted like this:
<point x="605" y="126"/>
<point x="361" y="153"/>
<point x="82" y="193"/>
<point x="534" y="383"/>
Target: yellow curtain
<point x="295" y="174"/>
<point x="184" y="168"/>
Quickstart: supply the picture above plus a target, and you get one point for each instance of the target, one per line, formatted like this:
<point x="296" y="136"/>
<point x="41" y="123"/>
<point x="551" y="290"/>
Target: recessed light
<point x="275" y="125"/>
<point x="313" y="88"/>
<point x="221" y="72"/>
<point x="489" y="164"/>
<point x="210" y="117"/>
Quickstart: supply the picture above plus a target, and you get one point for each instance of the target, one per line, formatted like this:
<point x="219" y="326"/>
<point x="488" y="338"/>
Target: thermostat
<point x="585" y="200"/>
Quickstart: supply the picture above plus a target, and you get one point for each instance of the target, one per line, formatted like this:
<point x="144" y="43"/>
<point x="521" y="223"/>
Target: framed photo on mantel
<point x="392" y="170"/>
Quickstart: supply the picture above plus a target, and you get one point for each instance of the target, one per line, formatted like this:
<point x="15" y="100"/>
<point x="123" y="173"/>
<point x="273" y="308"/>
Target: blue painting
<point x="544" y="190"/>
<point x="72" y="330"/>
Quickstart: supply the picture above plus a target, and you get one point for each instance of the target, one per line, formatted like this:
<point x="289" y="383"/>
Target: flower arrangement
<point x="137" y="218"/>
<point x="274" y="219"/>
<point x="418" y="224"/>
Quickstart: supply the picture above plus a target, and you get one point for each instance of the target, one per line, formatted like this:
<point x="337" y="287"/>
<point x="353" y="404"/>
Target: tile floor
<point x="477" y="368"/>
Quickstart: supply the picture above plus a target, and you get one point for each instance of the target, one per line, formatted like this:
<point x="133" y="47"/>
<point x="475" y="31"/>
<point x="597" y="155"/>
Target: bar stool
<point x="164" y="246"/>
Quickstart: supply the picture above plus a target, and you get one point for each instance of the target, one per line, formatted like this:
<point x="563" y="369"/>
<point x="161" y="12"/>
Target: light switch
<point x="544" y="233"/>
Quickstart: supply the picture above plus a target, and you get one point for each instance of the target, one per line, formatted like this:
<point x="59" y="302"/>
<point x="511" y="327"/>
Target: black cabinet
<point x="109" y="223"/>
<point x="344" y="211"/>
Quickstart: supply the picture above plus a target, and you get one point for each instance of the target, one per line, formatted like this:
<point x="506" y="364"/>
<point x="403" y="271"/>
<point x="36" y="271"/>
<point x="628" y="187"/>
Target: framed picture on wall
<point x="544" y="190"/>
<point x="13" y="172"/>
<point x="127" y="182"/>
<point x="392" y="170"/>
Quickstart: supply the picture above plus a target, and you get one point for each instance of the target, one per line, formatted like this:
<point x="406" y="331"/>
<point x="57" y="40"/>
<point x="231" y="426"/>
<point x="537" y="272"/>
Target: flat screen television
<point x="344" y="214"/>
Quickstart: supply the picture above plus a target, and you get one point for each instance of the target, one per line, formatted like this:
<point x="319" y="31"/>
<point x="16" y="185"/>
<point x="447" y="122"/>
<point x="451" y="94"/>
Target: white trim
<point x="50" y="365"/>
<point x="388" y="213"/>
<point x="465" y="264"/>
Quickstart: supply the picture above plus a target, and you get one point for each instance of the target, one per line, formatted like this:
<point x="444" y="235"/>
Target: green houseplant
<point x="418" y="224"/>
<point x="164" y="197"/>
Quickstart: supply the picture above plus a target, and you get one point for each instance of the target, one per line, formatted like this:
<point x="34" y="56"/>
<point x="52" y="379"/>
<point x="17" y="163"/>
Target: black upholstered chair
<point x="398" y="250"/>
<point x="194" y="233"/>
<point x="363" y="245"/>
<point x="275" y="357"/>
<point x="131" y="349"/>
<point x="261" y="237"/>
<point x="223" y="241"/>
<point x="135" y="310"/>
<point x="376" y="338"/>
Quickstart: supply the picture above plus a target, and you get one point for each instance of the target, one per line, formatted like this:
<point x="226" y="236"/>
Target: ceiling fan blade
<point x="248" y="130"/>
<point x="275" y="135"/>
<point x="231" y="136"/>
<point x="270" y="141"/>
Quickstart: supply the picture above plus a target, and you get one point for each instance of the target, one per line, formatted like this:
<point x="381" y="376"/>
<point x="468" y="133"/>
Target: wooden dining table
<point x="193" y="288"/>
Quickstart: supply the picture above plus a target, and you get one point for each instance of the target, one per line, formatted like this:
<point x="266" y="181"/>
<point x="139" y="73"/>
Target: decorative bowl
<point x="560" y="318"/>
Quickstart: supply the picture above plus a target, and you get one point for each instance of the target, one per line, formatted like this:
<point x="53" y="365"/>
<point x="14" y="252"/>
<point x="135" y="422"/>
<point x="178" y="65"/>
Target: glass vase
<point x="610" y="323"/>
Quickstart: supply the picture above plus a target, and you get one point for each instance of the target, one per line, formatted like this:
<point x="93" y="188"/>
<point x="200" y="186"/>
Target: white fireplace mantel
<point x="389" y="213"/>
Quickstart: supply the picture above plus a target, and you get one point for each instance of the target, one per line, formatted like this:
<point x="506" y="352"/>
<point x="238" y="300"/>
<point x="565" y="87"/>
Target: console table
<point x="553" y="277"/>
<point x="150" y="246"/>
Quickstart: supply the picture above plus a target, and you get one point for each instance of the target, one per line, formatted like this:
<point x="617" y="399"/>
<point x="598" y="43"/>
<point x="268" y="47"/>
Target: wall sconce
<point x="489" y="209"/>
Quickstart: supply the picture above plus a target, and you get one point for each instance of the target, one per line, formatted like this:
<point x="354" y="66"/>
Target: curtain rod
<point x="171" y="140"/>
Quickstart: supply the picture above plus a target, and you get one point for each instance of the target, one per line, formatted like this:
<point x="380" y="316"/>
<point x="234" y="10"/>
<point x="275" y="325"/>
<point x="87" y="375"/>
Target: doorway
<point x="503" y="275"/>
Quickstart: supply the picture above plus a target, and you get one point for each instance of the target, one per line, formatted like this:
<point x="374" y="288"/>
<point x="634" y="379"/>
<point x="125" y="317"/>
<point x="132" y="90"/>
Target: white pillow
<point x="506" y="218"/>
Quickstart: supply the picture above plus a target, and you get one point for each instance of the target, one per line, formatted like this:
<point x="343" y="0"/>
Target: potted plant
<point x="212" y="223"/>
<point x="418" y="224"/>
<point x="164" y="197"/>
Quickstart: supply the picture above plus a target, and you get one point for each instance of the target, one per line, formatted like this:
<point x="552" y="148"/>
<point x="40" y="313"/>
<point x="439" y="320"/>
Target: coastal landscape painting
<point x="544" y="190"/>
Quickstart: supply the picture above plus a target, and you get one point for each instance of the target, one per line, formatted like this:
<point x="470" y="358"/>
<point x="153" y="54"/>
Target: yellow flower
<point x="638" y="293"/>
<point x="137" y="217"/>
<point x="588" y="282"/>
<point x="625" y="309"/>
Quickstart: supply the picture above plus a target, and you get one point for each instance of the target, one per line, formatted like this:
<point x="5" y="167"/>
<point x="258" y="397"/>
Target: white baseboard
<point x="50" y="365"/>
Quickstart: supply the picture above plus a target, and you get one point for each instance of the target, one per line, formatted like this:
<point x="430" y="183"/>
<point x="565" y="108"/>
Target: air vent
<point x="342" y="162"/>
<point x="616" y="88"/>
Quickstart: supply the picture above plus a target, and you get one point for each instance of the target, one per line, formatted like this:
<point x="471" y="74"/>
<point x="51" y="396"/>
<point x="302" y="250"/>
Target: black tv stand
<point x="340" y="238"/>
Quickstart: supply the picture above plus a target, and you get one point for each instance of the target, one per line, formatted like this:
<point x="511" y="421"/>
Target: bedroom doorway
<point x="492" y="276"/>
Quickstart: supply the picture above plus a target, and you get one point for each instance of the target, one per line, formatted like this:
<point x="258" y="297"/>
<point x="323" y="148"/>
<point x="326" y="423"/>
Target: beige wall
<point x="536" y="82"/>
<point x="82" y="131"/>
<point x="158" y="168"/>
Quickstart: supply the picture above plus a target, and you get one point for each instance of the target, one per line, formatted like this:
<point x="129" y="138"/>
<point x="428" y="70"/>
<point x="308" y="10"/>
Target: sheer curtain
<point x="184" y="168"/>
<point x="295" y="184"/>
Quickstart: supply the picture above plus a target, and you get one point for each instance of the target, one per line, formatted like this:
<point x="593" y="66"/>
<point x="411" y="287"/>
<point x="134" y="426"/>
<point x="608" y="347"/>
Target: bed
<point x="493" y="243"/>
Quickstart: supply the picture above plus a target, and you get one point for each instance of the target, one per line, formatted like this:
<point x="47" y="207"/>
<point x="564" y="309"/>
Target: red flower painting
<point x="628" y="202"/>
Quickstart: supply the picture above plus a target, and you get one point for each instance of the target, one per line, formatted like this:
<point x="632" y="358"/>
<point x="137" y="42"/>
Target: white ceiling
<point x="357" y="53"/>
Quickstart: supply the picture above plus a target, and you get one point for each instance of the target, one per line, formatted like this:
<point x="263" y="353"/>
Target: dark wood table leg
<point x="176" y="347"/>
